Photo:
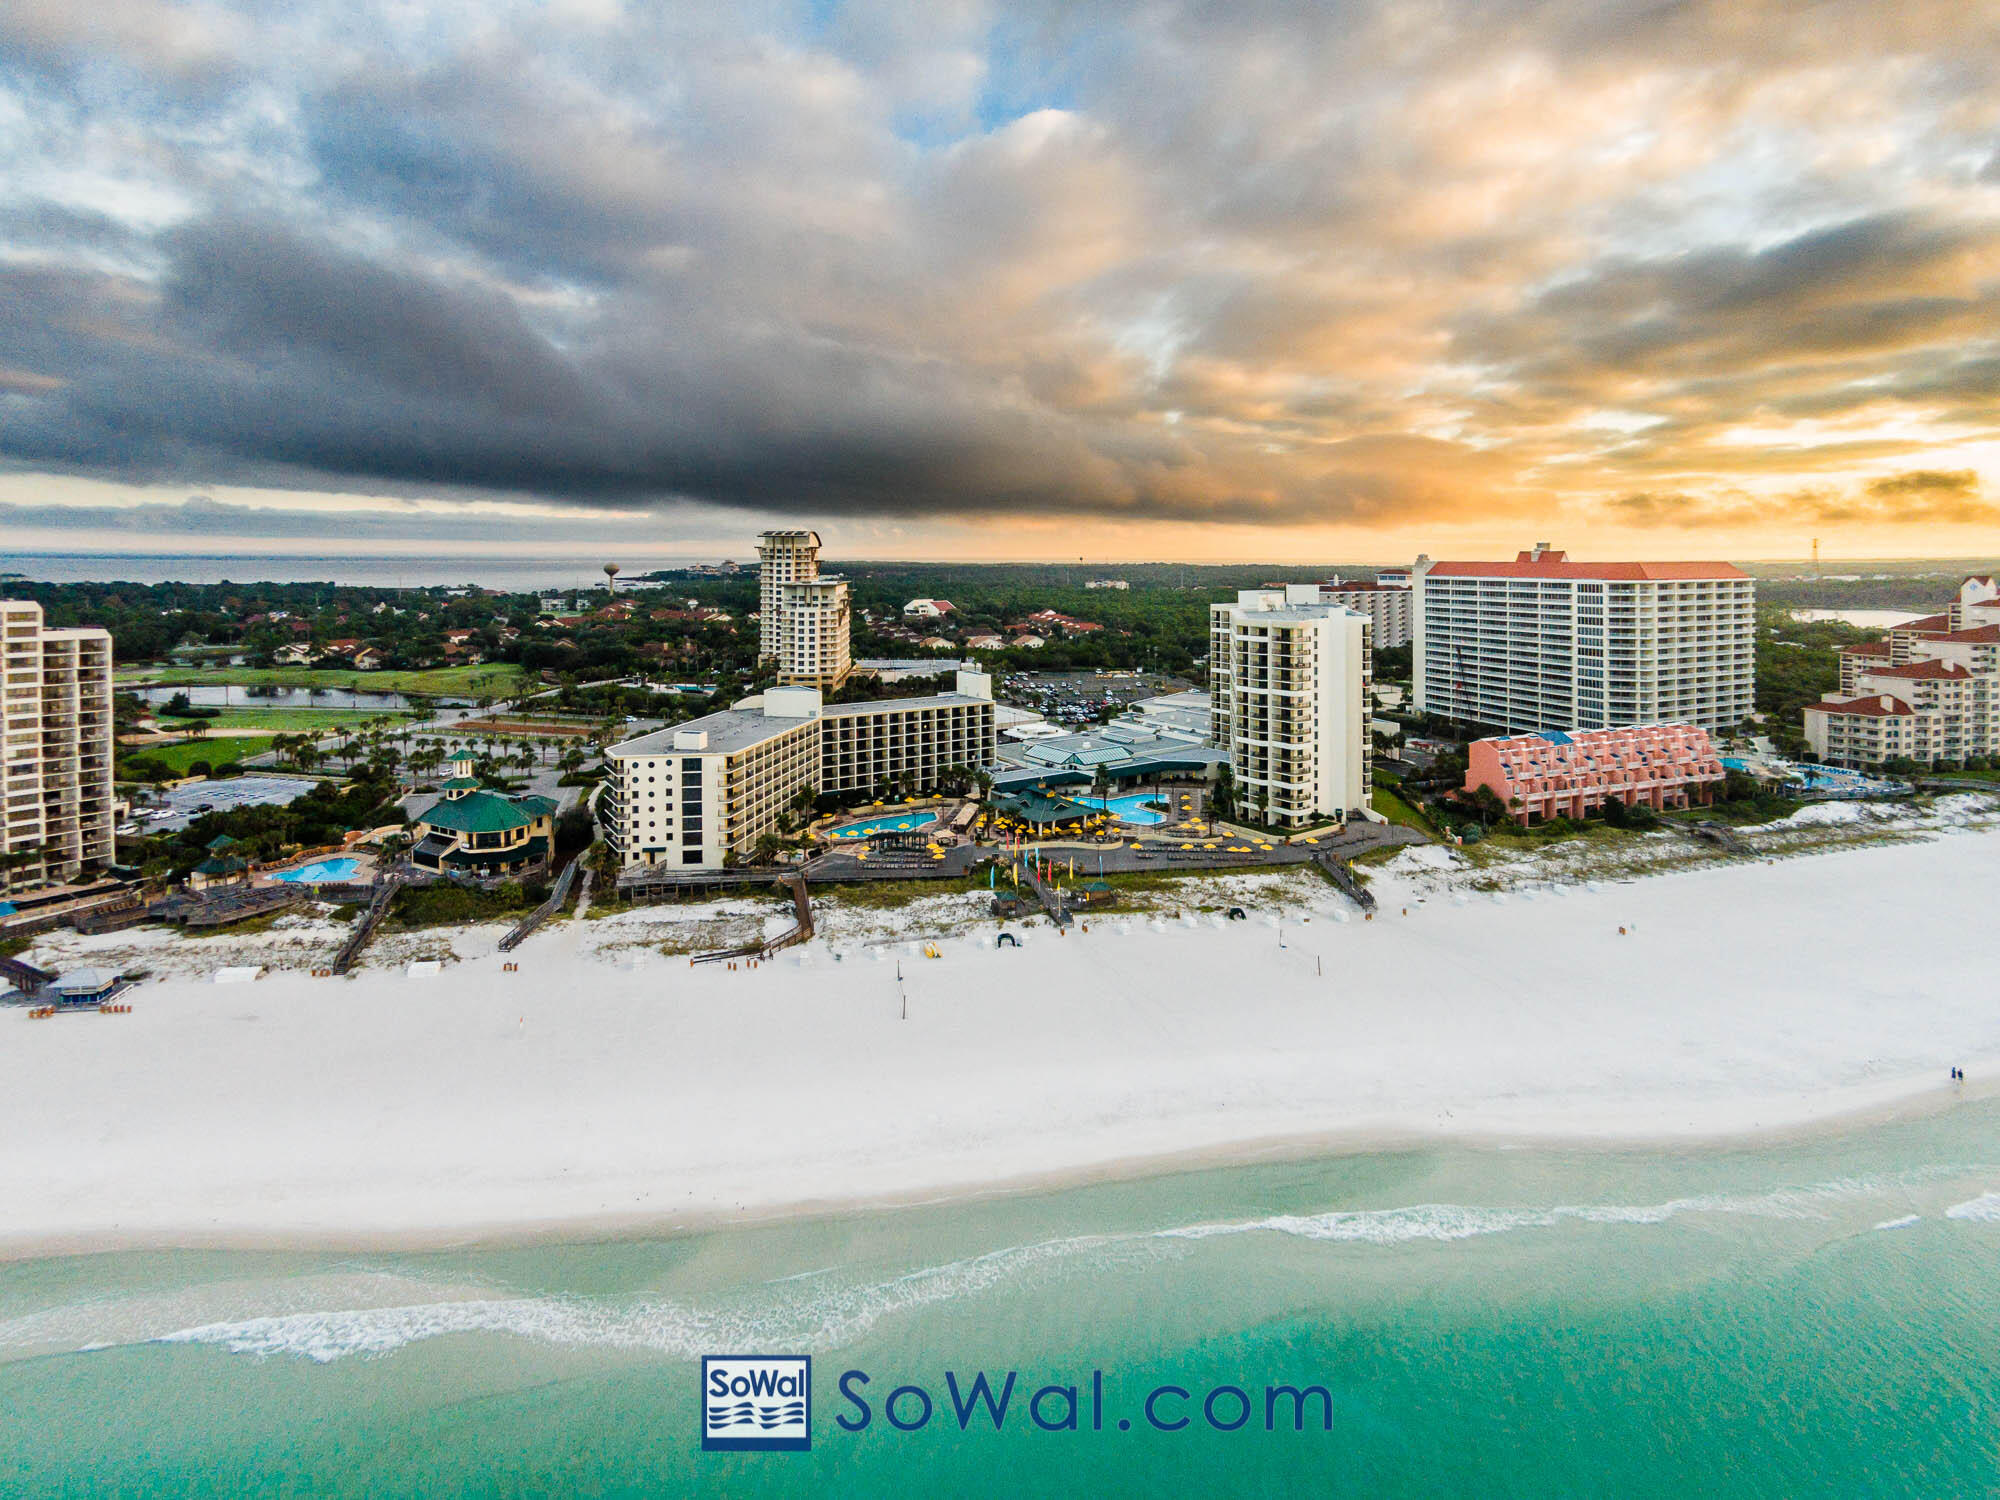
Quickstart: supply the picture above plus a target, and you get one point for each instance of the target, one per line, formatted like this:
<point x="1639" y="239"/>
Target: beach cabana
<point x="1037" y="810"/>
<point x="86" y="986"/>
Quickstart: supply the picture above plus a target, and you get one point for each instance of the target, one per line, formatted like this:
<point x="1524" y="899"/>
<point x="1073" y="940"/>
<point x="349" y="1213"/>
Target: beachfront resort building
<point x="701" y="794"/>
<point x="1546" y="643"/>
<point x="805" y="623"/>
<point x="1552" y="774"/>
<point x="471" y="831"/>
<point x="55" y="749"/>
<point x="1928" y="692"/>
<point x="1387" y="606"/>
<point x="1288" y="700"/>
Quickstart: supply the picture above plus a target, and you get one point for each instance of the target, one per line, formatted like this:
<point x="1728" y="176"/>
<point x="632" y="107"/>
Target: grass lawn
<point x="1396" y="810"/>
<point x="492" y="680"/>
<point x="215" y="752"/>
<point x="888" y="893"/>
<point x="285" y="720"/>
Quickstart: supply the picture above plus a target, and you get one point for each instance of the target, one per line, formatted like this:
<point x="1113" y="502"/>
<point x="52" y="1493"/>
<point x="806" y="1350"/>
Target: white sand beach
<point x="607" y="1083"/>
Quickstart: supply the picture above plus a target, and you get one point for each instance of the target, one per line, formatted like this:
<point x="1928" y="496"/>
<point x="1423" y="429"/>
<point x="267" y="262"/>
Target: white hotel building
<point x="1288" y="688"/>
<point x="700" y="793"/>
<point x="55" y="749"/>
<point x="1543" y="643"/>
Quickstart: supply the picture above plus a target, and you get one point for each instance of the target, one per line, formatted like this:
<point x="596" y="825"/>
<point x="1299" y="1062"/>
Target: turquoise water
<point x="900" y="823"/>
<point x="1130" y="808"/>
<point x="1816" y="1318"/>
<point x="320" y="870"/>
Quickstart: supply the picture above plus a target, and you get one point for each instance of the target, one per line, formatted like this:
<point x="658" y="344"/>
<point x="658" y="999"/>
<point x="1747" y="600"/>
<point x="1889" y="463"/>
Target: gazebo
<point x="221" y="867"/>
<point x="1038" y="809"/>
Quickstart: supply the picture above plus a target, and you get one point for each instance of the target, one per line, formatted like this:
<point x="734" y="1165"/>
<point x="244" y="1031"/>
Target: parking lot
<point x="187" y="803"/>
<point x="1084" y="697"/>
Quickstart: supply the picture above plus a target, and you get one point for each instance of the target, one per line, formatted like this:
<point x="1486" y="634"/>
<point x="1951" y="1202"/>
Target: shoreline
<point x="1911" y="1102"/>
<point x="610" y="1091"/>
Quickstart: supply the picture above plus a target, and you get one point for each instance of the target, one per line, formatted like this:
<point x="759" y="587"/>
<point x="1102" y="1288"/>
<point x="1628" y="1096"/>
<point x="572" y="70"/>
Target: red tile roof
<point x="1976" y="635"/>
<point x="1925" y="622"/>
<point x="1866" y="648"/>
<point x="1558" y="565"/>
<point x="1923" y="669"/>
<point x="1877" y="706"/>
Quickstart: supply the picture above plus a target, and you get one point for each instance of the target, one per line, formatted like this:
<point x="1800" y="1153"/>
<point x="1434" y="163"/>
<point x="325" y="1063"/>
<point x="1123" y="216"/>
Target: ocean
<point x="1814" y="1317"/>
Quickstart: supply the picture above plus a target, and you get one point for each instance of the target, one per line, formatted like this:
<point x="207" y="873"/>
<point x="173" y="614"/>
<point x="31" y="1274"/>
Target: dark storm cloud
<point x="1354" y="262"/>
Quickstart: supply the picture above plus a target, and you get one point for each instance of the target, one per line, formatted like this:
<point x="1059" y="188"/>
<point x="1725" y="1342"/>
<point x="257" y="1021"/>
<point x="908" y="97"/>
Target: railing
<point x="521" y="930"/>
<point x="1341" y="872"/>
<point x="364" y="927"/>
<point x="801" y="930"/>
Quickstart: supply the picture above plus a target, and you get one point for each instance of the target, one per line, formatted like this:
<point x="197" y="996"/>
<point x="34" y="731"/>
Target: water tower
<point x="611" y="577"/>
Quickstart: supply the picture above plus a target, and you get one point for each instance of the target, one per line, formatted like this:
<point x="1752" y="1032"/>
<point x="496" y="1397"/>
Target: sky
<point x="945" y="279"/>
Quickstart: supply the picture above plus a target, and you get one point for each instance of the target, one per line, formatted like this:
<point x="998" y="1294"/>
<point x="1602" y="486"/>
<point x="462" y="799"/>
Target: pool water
<point x="901" y="823"/>
<point x="319" y="870"/>
<point x="1131" y="808"/>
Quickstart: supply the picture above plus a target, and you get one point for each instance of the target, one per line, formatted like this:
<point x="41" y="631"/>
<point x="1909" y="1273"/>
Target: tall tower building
<point x="1288" y="679"/>
<point x="1543" y="643"/>
<point x="782" y="557"/>
<point x="55" y="749"/>
<point x="814" y="643"/>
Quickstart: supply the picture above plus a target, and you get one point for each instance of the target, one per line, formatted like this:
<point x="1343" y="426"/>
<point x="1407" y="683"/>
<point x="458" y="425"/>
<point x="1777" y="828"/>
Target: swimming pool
<point x="1131" y="808"/>
<point x="318" y="871"/>
<point x="898" y="823"/>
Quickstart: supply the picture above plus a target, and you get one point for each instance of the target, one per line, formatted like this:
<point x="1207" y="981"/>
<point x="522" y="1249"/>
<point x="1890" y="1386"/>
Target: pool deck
<point x="363" y="873"/>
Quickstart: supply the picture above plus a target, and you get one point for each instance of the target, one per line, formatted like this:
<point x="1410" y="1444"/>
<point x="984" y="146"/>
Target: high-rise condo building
<point x="1545" y="643"/>
<point x="782" y="557"/>
<point x="1387" y="606"/>
<point x="55" y="749"/>
<point x="1288" y="686"/>
<point x="804" y="623"/>
<point x="815" y="633"/>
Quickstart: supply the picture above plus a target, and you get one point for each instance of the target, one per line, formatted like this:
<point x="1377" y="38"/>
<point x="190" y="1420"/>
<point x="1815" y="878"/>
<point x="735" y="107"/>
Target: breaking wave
<point x="324" y="1319"/>
<point x="1985" y="1209"/>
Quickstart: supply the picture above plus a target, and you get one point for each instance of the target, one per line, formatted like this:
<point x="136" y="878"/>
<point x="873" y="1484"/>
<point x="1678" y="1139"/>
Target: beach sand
<point x="610" y="1085"/>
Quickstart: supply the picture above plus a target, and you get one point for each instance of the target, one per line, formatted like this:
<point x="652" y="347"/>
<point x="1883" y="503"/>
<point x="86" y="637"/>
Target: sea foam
<point x="820" y="1310"/>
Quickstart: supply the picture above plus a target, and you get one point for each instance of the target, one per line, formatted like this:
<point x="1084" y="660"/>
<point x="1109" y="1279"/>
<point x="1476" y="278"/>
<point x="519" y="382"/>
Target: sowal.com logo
<point x="756" y="1403"/>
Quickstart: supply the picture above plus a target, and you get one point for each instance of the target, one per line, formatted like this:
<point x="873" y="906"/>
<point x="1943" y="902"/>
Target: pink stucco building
<point x="1569" y="775"/>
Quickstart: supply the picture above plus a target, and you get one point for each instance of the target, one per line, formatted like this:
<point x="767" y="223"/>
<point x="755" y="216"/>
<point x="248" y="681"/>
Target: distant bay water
<point x="514" y="574"/>
<point x="1808" y="1317"/>
<point x="1879" y="619"/>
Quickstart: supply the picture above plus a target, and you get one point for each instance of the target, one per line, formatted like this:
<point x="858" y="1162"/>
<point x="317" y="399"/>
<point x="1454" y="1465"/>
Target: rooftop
<point x="1875" y="706"/>
<point x="1549" y="564"/>
<point x="884" y="705"/>
<point x="484" y="812"/>
<point x="1925" y="670"/>
<point x="728" y="730"/>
